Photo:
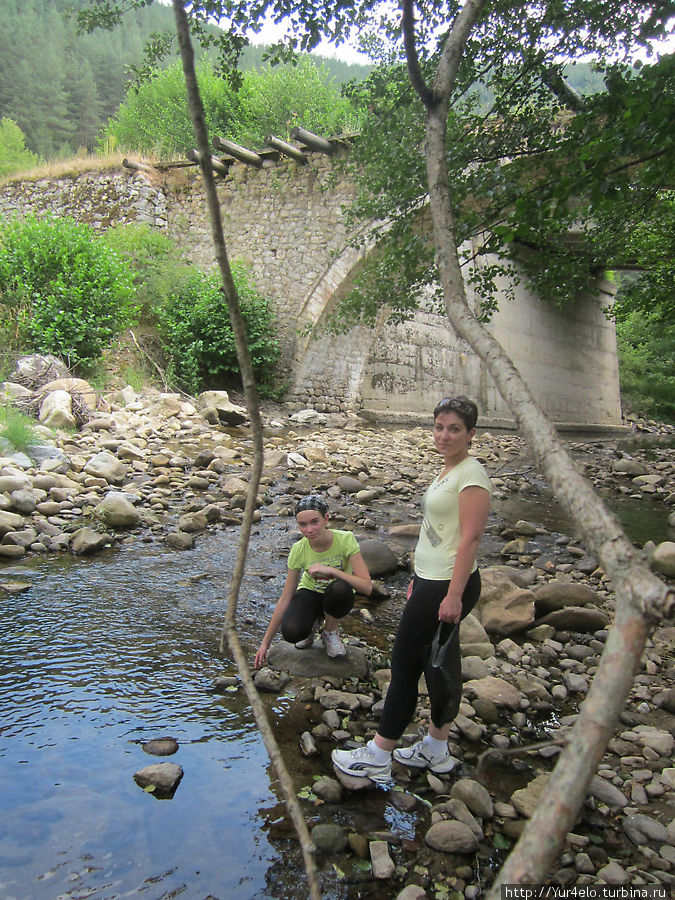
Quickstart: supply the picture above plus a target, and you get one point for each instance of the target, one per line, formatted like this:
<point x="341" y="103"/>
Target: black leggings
<point x="307" y="606"/>
<point x="416" y="630"/>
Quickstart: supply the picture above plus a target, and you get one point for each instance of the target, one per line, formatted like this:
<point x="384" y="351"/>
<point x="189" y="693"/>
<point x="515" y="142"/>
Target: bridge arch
<point x="286" y="221"/>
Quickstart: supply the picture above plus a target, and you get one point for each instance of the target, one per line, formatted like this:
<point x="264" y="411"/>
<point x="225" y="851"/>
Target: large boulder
<point x="82" y="394"/>
<point x="85" y="541"/>
<point x="498" y="691"/>
<point x="228" y="413"/>
<point x="314" y="663"/>
<point x="379" y="557"/>
<point x="559" y="594"/>
<point x="38" y="369"/>
<point x="56" y="410"/>
<point x="159" y="778"/>
<point x="663" y="559"/>
<point x="451" y="837"/>
<point x="308" y="417"/>
<point x="9" y="521"/>
<point x="105" y="465"/>
<point x="116" y="511"/>
<point x="526" y="800"/>
<point x="503" y="608"/>
<point x="576" y="618"/>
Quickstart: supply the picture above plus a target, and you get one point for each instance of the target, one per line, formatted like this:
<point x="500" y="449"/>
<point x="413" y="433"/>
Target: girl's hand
<point x="320" y="572"/>
<point x="409" y="591"/>
<point x="261" y="655"/>
<point x="450" y="609"/>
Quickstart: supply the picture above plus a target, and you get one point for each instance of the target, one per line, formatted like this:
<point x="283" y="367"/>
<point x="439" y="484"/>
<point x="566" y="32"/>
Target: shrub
<point x="14" y="157"/>
<point x="159" y="268"/>
<point x="197" y="335"/>
<point x="62" y="289"/>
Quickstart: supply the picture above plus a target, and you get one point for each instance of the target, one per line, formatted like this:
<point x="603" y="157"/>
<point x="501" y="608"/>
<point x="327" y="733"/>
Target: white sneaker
<point x="307" y="642"/>
<point x="361" y="763"/>
<point x="333" y="643"/>
<point x="418" y="756"/>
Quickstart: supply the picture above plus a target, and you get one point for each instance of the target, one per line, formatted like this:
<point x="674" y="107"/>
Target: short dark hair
<point x="466" y="409"/>
<point x="312" y="501"/>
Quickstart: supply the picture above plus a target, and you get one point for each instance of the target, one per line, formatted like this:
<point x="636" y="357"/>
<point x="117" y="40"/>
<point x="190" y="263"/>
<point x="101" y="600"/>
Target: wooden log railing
<point x="287" y="149"/>
<point x="238" y="152"/>
<point x="216" y="164"/>
<point x="313" y="141"/>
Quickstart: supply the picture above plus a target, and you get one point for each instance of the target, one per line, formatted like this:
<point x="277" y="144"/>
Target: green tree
<point x="14" y="157"/>
<point x="197" y="333"/>
<point x="438" y="50"/>
<point x="276" y="98"/>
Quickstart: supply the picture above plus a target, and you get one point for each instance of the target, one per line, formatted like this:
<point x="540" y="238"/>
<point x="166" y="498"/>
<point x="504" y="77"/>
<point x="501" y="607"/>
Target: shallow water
<point x="95" y="658"/>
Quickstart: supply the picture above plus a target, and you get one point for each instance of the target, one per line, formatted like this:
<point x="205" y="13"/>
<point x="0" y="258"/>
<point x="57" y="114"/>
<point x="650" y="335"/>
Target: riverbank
<point x="176" y="477"/>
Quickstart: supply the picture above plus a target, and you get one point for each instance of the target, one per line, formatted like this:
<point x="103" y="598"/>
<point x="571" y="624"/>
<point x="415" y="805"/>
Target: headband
<point x="313" y="501"/>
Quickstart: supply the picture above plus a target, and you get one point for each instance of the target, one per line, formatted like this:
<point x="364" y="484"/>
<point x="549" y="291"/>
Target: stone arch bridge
<point x="284" y="218"/>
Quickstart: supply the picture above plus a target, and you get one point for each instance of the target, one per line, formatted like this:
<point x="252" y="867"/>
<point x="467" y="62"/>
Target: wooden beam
<point x="240" y="153"/>
<point x="313" y="141"/>
<point x="216" y="164"/>
<point x="136" y="166"/>
<point x="287" y="149"/>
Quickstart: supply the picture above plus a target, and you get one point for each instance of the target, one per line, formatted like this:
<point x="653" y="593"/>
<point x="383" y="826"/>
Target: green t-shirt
<point x="439" y="536"/>
<point x="302" y="556"/>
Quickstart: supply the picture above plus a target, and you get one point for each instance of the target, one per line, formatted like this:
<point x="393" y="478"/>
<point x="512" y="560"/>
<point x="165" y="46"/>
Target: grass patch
<point x="17" y="429"/>
<point x="76" y="165"/>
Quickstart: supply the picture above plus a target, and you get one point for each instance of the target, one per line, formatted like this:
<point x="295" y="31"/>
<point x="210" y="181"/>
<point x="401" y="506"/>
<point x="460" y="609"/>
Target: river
<point x="98" y="656"/>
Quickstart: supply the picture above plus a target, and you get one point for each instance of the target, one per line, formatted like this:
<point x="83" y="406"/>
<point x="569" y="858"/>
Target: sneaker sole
<point x="378" y="779"/>
<point x="442" y="769"/>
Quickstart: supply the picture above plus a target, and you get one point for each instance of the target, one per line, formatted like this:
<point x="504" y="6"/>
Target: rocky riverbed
<point x="165" y="468"/>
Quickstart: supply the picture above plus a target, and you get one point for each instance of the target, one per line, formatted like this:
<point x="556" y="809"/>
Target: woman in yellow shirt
<point x="445" y="588"/>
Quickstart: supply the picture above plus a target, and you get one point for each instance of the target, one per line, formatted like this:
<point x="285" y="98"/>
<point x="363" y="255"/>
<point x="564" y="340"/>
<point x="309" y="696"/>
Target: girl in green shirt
<point x="325" y="567"/>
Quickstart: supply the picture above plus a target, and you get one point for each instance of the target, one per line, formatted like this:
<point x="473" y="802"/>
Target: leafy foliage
<point x="275" y="99"/>
<point x="154" y="117"/>
<point x="14" y="157"/>
<point x="62" y="289"/>
<point x="647" y="365"/>
<point x="158" y="266"/>
<point x="563" y="183"/>
<point x="197" y="335"/>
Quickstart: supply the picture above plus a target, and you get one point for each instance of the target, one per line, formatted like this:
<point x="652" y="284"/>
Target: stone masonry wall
<point x="285" y="221"/>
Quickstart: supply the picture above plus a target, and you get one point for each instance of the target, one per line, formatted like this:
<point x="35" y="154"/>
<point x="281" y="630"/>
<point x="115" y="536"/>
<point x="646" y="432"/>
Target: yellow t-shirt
<point x="440" y="535"/>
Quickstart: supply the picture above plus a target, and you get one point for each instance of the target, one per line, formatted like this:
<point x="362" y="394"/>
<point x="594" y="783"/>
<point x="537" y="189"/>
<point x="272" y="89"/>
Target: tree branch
<point x="562" y="90"/>
<point x="250" y="392"/>
<point x="415" y="73"/>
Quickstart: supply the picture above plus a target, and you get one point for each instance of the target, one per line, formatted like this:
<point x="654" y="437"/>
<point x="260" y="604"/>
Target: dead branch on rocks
<point x="494" y="755"/>
<point x="144" y="352"/>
